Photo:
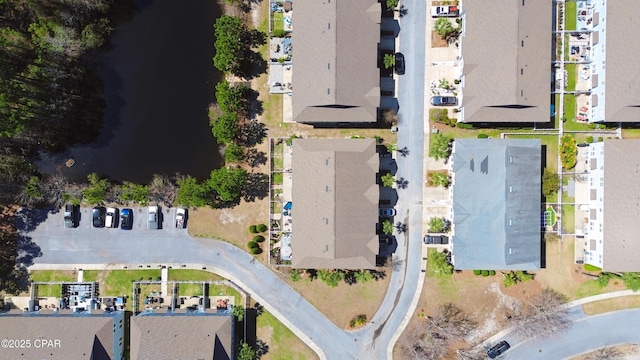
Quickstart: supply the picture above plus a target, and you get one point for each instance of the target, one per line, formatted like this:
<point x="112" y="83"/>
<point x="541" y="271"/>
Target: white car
<point x="181" y="218"/>
<point x="111" y="221"/>
<point x="153" y="218"/>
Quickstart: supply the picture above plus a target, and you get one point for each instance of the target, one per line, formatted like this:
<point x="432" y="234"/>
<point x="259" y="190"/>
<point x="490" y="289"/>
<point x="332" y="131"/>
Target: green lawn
<point x="49" y="275"/>
<point x="120" y="282"/>
<point x="283" y="344"/>
<point x="569" y="110"/>
<point x="277" y="163"/>
<point x="277" y="178"/>
<point x="571" y="76"/>
<point x="566" y="48"/>
<point x="568" y="219"/>
<point x="278" y="21"/>
<point x="631" y="133"/>
<point x="551" y="145"/>
<point x="570" y="15"/>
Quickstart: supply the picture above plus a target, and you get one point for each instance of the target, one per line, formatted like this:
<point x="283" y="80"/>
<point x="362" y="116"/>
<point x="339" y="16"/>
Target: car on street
<point x="436" y="239"/>
<point x="498" y="349"/>
<point x="387" y="212"/>
<point x="70" y="216"/>
<point x="98" y="216"/>
<point x="181" y="218"/>
<point x="444" y="100"/>
<point x="126" y="219"/>
<point x="153" y="218"/>
<point x="398" y="66"/>
<point x="111" y="221"/>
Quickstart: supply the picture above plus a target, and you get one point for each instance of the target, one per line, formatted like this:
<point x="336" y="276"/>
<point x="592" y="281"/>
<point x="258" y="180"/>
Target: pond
<point x="159" y="80"/>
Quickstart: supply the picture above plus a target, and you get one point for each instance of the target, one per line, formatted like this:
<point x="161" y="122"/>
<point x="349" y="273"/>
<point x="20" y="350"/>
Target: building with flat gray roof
<point x="182" y="336"/>
<point x="63" y="335"/>
<point x="506" y="55"/>
<point x="335" y="201"/>
<point x="611" y="234"/>
<point x="496" y="204"/>
<point x="336" y="78"/>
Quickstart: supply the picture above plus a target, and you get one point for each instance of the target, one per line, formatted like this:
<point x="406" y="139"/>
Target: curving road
<point x="86" y="247"/>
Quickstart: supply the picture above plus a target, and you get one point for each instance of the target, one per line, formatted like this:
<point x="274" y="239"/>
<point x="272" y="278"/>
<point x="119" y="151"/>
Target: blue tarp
<point x="288" y="205"/>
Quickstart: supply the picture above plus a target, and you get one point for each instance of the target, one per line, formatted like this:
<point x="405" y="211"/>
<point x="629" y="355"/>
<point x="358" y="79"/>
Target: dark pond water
<point x="159" y="80"/>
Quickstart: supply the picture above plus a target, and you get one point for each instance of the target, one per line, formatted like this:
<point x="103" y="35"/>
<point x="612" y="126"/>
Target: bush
<point x="568" y="151"/>
<point x="589" y="139"/>
<point x="492" y="272"/>
<point x="476" y="272"/>
<point x="261" y="228"/>
<point x="464" y="125"/>
<point x="550" y="182"/>
<point x="253" y="245"/>
<point x="256" y="251"/>
<point x="482" y="136"/>
<point x="485" y="272"/>
<point x="258" y="238"/>
<point x="253" y="229"/>
<point x="600" y="139"/>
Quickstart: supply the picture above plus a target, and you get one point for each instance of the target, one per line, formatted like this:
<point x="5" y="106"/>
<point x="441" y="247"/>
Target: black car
<point x="126" y="219"/>
<point x="444" y="101"/>
<point x="498" y="349"/>
<point x="98" y="214"/>
<point x="436" y="239"/>
<point x="399" y="63"/>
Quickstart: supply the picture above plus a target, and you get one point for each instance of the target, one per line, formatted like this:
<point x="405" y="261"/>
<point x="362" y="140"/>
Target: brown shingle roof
<point x="173" y="336"/>
<point x="507" y="61"/>
<point x="622" y="102"/>
<point x="621" y="248"/>
<point x="335" y="75"/>
<point x="335" y="203"/>
<point x="80" y="336"/>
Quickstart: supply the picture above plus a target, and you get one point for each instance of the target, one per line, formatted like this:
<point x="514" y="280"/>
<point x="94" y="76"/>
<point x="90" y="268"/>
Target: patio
<point x="281" y="201"/>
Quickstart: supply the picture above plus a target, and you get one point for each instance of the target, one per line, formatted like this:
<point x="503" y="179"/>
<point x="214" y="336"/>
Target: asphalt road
<point x="587" y="334"/>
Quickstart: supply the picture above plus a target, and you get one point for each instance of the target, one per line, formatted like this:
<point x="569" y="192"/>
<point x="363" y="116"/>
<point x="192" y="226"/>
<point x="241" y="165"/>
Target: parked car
<point x="444" y="11"/>
<point x="126" y="219"/>
<point x="387" y="212"/>
<point x="111" y="221"/>
<point x="444" y="101"/>
<point x="181" y="218"/>
<point x="399" y="63"/>
<point x="98" y="215"/>
<point x="153" y="218"/>
<point x="70" y="216"/>
<point x="498" y="349"/>
<point x="436" y="239"/>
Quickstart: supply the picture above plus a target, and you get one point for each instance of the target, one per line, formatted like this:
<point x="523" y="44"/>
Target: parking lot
<point x="167" y="217"/>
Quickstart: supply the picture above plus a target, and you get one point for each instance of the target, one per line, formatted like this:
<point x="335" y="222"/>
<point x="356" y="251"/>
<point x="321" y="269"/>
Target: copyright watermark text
<point x="30" y="343"/>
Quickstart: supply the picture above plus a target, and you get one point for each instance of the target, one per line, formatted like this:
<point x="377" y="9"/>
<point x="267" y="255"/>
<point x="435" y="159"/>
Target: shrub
<point x="589" y="139"/>
<point x="295" y="275"/>
<point x="485" y="272"/>
<point x="256" y="251"/>
<point x="492" y="272"/>
<point x="476" y="272"/>
<point x="482" y="136"/>
<point x="253" y="229"/>
<point x="600" y="139"/>
<point x="464" y="126"/>
<point x="568" y="152"/>
<point x="258" y="238"/>
<point x="261" y="228"/>
<point x="253" y="245"/>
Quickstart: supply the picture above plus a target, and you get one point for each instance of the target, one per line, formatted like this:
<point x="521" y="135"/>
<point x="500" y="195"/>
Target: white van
<point x="111" y="220"/>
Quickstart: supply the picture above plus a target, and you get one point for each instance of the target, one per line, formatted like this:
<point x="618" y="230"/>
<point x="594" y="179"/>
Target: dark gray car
<point x="498" y="349"/>
<point x="444" y="101"/>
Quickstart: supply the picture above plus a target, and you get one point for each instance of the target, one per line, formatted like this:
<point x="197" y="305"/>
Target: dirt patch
<point x="343" y="303"/>
<point x="437" y="40"/>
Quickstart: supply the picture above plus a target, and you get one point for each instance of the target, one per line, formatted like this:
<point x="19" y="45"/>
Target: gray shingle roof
<point x="335" y="74"/>
<point x="622" y="102"/>
<point x="81" y="336"/>
<point x="181" y="336"/>
<point x="621" y="248"/>
<point x="335" y="203"/>
<point x="496" y="204"/>
<point x="506" y="49"/>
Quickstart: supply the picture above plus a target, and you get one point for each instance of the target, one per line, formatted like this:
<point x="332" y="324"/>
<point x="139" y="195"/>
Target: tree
<point x="444" y="28"/>
<point x="331" y="277"/>
<point x="391" y="147"/>
<point x="543" y="314"/>
<point x="232" y="98"/>
<point x="450" y="322"/>
<point x="230" y="33"/>
<point x="392" y="4"/>
<point x="439" y="264"/>
<point x="436" y="224"/>
<point x="225" y="128"/>
<point x="31" y="194"/>
<point x="387" y="227"/>
<point x="388" y="180"/>
<point x="97" y="191"/>
<point x="261" y="227"/>
<point x="238" y="312"/>
<point x="246" y="352"/>
<point x="233" y="153"/>
<point x="440" y="146"/>
<point x="135" y="192"/>
<point x="568" y="151"/>
<point x="162" y="189"/>
<point x="550" y="182"/>
<point x="191" y="193"/>
<point x="227" y="183"/>
<point x="389" y="61"/>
